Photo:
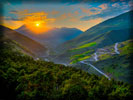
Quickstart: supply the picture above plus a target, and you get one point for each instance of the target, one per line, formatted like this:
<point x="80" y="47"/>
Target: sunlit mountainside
<point x="66" y="50"/>
<point x="51" y="37"/>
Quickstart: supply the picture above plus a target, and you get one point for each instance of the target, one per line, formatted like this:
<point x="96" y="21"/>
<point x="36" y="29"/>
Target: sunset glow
<point x="79" y="15"/>
<point x="37" y="24"/>
<point x="37" y="28"/>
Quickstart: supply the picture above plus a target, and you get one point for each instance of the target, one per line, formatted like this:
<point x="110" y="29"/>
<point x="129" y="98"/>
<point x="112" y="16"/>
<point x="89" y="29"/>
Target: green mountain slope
<point x="120" y="22"/>
<point x="118" y="65"/>
<point x="114" y="30"/>
<point x="24" y="42"/>
<point x="23" y="78"/>
<point x="101" y="41"/>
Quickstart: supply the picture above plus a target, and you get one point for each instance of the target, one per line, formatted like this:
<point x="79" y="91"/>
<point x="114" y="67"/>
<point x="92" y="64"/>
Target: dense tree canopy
<point x="23" y="78"/>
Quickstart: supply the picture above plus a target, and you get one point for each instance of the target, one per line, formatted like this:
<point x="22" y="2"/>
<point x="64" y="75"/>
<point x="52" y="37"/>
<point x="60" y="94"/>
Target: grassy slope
<point x="119" y="66"/>
<point x="105" y="39"/>
<point x="17" y="47"/>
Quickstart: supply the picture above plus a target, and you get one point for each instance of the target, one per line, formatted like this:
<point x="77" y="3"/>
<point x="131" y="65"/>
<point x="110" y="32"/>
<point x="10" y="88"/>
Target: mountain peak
<point x="56" y="35"/>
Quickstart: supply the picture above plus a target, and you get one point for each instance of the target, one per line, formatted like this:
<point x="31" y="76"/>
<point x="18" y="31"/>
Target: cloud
<point x="40" y="17"/>
<point x="115" y="5"/>
<point x="130" y="3"/>
<point x="95" y="21"/>
<point x="76" y="12"/>
<point x="84" y="10"/>
<point x="19" y="15"/>
<point x="62" y="17"/>
<point x="86" y="18"/>
<point x="11" y="18"/>
<point x="94" y="10"/>
<point x="19" y="12"/>
<point x="111" y="11"/>
<point x="74" y="19"/>
<point x="118" y="0"/>
<point x="54" y="12"/>
<point x="30" y="17"/>
<point x="15" y="19"/>
<point x="67" y="15"/>
<point x="91" y="11"/>
<point x="103" y="6"/>
<point x="13" y="12"/>
<point x="101" y="15"/>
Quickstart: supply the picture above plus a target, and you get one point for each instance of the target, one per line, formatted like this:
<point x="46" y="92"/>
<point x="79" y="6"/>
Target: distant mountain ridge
<point x="55" y="35"/>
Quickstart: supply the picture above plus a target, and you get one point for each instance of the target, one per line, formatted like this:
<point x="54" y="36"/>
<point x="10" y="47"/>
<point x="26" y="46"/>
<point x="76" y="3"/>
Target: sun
<point x="37" y="27"/>
<point x="37" y="24"/>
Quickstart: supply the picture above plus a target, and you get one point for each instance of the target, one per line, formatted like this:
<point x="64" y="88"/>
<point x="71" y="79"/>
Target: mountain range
<point x="103" y="54"/>
<point x="52" y="37"/>
<point x="107" y="46"/>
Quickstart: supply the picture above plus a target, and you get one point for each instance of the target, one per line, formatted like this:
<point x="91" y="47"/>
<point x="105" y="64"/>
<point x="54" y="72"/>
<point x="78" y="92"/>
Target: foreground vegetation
<point x="23" y="78"/>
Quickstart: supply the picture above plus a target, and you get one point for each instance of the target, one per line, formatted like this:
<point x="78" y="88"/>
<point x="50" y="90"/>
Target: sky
<point x="81" y="14"/>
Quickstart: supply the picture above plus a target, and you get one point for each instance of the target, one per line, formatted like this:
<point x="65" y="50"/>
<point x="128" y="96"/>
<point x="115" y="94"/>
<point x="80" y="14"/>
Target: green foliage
<point x="23" y="78"/>
<point x="80" y="57"/>
<point x="127" y="48"/>
<point x="118" y="66"/>
<point x="86" y="45"/>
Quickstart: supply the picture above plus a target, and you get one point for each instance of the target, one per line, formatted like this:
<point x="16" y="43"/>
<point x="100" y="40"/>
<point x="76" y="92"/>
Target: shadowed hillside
<point x="31" y="45"/>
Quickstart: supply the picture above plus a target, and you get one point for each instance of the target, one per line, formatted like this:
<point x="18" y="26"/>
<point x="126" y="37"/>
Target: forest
<point x="23" y="78"/>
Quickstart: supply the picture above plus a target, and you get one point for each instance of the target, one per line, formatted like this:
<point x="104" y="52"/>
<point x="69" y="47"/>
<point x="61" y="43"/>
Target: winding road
<point x="95" y="56"/>
<point x="96" y="59"/>
<point x="96" y="69"/>
<point x="116" y="48"/>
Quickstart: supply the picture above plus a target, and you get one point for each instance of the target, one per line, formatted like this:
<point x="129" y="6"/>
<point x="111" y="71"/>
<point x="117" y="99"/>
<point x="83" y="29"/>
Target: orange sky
<point x="72" y="15"/>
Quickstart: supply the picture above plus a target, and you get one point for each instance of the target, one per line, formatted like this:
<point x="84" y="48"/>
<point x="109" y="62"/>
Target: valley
<point x="66" y="50"/>
<point x="97" y="45"/>
<point x="100" y="44"/>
